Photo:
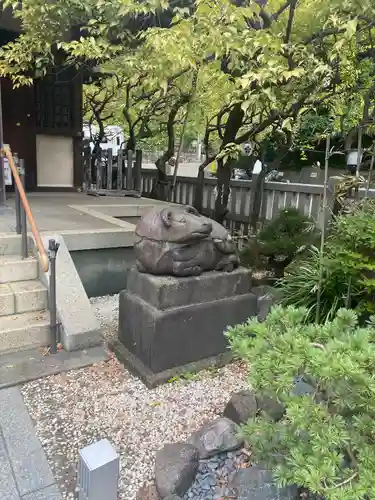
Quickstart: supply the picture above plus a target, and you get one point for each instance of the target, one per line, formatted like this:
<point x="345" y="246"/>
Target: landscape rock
<point x="302" y="388"/>
<point x="175" y="468"/>
<point x="276" y="410"/>
<point x="216" y="437"/>
<point x="255" y="483"/>
<point x="270" y="407"/>
<point x="241" y="407"/>
<point x="148" y="493"/>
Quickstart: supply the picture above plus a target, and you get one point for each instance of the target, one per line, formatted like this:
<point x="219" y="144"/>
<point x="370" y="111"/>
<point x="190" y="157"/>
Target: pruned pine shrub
<point x="279" y="242"/>
<point x="325" y="441"/>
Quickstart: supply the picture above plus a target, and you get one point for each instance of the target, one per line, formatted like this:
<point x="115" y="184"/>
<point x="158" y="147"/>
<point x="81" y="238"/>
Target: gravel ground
<point x="215" y="475"/>
<point x="106" y="310"/>
<point x="74" y="409"/>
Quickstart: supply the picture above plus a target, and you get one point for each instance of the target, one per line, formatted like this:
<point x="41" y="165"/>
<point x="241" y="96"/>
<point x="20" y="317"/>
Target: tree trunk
<point x="96" y="152"/>
<point x="160" y="188"/>
<point x="189" y="100"/>
<point x="198" y="193"/>
<point x="131" y="143"/>
<point x="232" y="127"/>
<point x="199" y="187"/>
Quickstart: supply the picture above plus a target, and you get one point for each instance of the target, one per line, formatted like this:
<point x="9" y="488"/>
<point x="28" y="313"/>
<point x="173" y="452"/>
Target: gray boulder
<point x="255" y="483"/>
<point x="276" y="410"/>
<point x="270" y="407"/>
<point x="241" y="407"/>
<point x="175" y="468"/>
<point x="216" y="437"/>
<point x="302" y="388"/>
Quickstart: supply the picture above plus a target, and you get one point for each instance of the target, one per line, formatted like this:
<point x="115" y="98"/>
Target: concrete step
<point x="22" y="296"/>
<point x="11" y="244"/>
<point x="14" y="268"/>
<point x="24" y="331"/>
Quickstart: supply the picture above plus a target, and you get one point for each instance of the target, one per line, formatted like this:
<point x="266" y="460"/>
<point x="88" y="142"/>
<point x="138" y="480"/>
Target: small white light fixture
<point x="352" y="158"/>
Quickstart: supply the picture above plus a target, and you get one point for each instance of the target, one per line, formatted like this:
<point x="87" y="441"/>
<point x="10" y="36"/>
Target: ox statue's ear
<point x="166" y="217"/>
<point x="192" y="210"/>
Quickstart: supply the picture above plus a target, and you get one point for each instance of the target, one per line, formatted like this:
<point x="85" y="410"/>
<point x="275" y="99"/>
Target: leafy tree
<point x="260" y="65"/>
<point x="323" y="376"/>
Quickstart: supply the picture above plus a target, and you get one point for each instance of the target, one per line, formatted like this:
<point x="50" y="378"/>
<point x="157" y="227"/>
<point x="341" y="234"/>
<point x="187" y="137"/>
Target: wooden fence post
<point x="87" y="170"/>
<point x="129" y="171"/>
<point x="138" y="171"/>
<point x="109" y="169"/>
<point x="256" y="194"/>
<point x="120" y="170"/>
<point x="99" y="171"/>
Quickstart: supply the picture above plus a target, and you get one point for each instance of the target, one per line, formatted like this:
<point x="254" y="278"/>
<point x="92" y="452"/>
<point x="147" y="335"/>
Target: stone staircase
<point x="24" y="318"/>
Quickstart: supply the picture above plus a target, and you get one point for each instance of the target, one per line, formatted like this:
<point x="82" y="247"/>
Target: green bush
<point x="325" y="441"/>
<point x="348" y="269"/>
<point x="300" y="285"/>
<point x="279" y="242"/>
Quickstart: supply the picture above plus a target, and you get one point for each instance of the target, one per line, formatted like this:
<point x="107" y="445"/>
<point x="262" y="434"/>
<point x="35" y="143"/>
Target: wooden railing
<point x="271" y="197"/>
<point x="22" y="195"/>
<point x="274" y="196"/>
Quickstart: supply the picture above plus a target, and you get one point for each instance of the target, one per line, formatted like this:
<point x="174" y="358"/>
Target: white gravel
<point x="74" y="409"/>
<point x="106" y="310"/>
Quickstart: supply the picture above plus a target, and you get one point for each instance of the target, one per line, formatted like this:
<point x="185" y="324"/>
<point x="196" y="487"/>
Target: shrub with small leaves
<point x="280" y="241"/>
<point x="325" y="441"/>
<point x="345" y="274"/>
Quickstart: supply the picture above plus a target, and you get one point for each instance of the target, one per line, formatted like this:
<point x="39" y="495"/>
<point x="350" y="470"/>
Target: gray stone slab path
<point x="24" y="470"/>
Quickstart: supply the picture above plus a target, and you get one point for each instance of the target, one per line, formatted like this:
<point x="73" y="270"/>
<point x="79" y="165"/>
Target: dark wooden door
<point x="19" y="126"/>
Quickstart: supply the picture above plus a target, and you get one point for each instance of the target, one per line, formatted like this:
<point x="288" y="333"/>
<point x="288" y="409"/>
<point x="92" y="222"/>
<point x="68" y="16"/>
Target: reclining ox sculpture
<point x="178" y="241"/>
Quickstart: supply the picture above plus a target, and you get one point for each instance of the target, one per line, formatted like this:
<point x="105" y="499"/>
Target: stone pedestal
<point x="166" y="323"/>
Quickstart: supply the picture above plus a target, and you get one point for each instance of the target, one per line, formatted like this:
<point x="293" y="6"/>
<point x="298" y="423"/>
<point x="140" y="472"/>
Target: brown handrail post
<point x="26" y="206"/>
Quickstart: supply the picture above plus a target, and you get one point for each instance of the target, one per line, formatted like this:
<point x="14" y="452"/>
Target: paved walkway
<point x="24" y="470"/>
<point x="52" y="211"/>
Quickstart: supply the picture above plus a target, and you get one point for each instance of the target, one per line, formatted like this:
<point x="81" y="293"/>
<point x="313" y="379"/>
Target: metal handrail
<point x="43" y="256"/>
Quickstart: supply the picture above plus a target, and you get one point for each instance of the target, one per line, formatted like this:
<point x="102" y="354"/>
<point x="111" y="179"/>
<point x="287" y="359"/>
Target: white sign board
<point x="257" y="167"/>
<point x="7" y="171"/>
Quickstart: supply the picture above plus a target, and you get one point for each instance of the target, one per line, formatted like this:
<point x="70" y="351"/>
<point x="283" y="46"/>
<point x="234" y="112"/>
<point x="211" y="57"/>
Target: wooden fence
<point x="272" y="196"/>
<point x="251" y="202"/>
<point x="113" y="174"/>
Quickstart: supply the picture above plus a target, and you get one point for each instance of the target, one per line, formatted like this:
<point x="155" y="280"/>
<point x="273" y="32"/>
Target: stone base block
<point x="168" y="323"/>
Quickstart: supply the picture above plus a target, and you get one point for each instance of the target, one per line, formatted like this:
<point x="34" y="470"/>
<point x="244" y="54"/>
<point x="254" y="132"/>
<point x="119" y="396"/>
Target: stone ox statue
<point x="178" y="241"/>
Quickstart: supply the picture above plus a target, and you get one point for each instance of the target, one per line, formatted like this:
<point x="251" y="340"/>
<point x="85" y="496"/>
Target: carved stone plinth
<point x="166" y="323"/>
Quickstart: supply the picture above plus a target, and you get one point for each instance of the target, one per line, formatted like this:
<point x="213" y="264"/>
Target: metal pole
<point x="18" y="208"/>
<point x="53" y="247"/>
<point x="323" y="233"/>
<point x="2" y="176"/>
<point x="23" y="220"/>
